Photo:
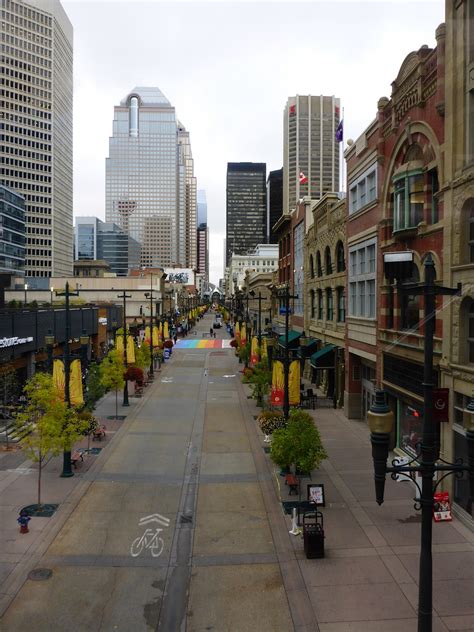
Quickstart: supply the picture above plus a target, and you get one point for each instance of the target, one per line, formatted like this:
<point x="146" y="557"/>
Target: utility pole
<point x="124" y="296"/>
<point x="259" y="298"/>
<point x="150" y="296"/>
<point x="284" y="293"/>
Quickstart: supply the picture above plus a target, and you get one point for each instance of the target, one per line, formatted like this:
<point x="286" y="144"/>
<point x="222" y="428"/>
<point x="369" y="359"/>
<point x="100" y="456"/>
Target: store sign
<point x="441" y="405"/>
<point x="102" y="320"/>
<point x="442" y="507"/>
<point x="13" y="342"/>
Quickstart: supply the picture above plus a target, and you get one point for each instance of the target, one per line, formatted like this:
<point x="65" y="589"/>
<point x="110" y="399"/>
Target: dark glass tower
<point x="246" y="207"/>
<point x="274" y="202"/>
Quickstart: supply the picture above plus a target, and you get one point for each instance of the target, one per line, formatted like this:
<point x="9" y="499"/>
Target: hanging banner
<point x="263" y="350"/>
<point x="166" y="332"/>
<point x="75" y="384"/>
<point x="147" y="335"/>
<point x="119" y="344"/>
<point x="130" y="350"/>
<point x="243" y="334"/>
<point x="441" y="405"/>
<point x="156" y="336"/>
<point x="278" y="384"/>
<point x="254" y="352"/>
<point x="294" y="383"/>
<point x="237" y="331"/>
<point x="59" y="379"/>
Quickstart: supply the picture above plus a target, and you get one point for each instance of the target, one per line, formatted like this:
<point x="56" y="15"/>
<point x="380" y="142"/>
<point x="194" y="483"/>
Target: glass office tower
<point x="150" y="192"/>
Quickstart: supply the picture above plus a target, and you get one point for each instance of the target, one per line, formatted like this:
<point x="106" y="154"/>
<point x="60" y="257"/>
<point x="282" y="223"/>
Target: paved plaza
<point x="177" y="524"/>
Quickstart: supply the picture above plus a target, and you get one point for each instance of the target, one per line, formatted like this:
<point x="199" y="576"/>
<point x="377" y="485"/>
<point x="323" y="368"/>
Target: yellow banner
<point x="254" y="351"/>
<point x="263" y="350"/>
<point x="147" y="335"/>
<point x="237" y="330"/>
<point x="130" y="350"/>
<point x="294" y="383"/>
<point x="75" y="384"/>
<point x="166" y="332"/>
<point x="156" y="336"/>
<point x="278" y="380"/>
<point x="59" y="379"/>
<point x="243" y="334"/>
<point x="119" y="344"/>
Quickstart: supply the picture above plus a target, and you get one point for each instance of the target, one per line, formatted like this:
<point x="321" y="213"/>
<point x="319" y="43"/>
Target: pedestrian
<point x="175" y="338"/>
<point x="211" y="332"/>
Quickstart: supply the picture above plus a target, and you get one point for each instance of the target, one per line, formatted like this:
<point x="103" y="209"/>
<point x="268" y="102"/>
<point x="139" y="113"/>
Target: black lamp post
<point x="124" y="296"/>
<point x="259" y="299"/>
<point x="25" y="287"/>
<point x="150" y="296"/>
<point x="381" y="420"/>
<point x="49" y="341"/>
<point x="284" y="293"/>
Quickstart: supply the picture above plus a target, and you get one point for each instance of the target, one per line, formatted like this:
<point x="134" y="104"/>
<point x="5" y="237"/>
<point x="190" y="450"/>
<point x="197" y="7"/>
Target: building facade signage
<point x="13" y="342"/>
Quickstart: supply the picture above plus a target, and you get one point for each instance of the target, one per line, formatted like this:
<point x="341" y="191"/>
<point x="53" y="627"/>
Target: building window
<point x="409" y="200"/>
<point x="410" y="303"/>
<point x="341" y="306"/>
<point x="363" y="190"/>
<point x="467" y="234"/>
<point x="320" y="304"/>
<point x="434" y="189"/>
<point x="466" y="317"/>
<point x="329" y="304"/>
<point x="327" y="260"/>
<point x="340" y="261"/>
<point x="318" y="264"/>
<point x="313" y="306"/>
<point x="362" y="279"/>
<point x="311" y="266"/>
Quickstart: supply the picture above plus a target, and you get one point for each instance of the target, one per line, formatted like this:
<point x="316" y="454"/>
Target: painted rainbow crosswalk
<point x="203" y="344"/>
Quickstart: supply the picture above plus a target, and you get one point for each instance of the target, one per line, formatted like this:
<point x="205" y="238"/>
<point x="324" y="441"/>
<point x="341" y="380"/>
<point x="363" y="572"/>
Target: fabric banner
<point x="156" y="336"/>
<point x="147" y="335"/>
<point x="263" y="350"/>
<point x="243" y="334"/>
<point x="59" y="378"/>
<point x="254" y="352"/>
<point x="237" y="331"/>
<point x="130" y="350"/>
<point x="166" y="331"/>
<point x="119" y="344"/>
<point x="277" y="392"/>
<point x="294" y="383"/>
<point x="75" y="384"/>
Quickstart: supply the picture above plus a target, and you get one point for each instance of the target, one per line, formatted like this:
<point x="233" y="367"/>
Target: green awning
<point x="293" y="336"/>
<point x="323" y="359"/>
<point x="308" y="349"/>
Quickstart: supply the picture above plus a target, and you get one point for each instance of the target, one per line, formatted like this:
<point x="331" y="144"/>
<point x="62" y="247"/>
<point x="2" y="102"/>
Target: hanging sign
<point x="442" y="507"/>
<point x="441" y="405"/>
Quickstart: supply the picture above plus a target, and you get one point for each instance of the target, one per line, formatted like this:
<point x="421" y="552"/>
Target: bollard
<point x="23" y="521"/>
<point x="295" y="530"/>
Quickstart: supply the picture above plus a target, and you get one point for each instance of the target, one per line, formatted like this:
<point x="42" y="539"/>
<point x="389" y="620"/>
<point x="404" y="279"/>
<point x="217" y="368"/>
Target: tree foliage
<point x="94" y="387"/>
<point x="298" y="444"/>
<point x="143" y="356"/>
<point x="111" y="371"/>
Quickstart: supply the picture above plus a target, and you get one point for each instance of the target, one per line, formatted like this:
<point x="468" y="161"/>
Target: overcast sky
<point x="228" y="68"/>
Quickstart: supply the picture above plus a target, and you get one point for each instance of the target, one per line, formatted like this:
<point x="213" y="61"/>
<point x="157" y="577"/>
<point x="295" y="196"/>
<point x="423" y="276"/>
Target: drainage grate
<point x="95" y="450"/>
<point x="40" y="511"/>
<point x="186" y="518"/>
<point x="118" y="417"/>
<point x="40" y="574"/>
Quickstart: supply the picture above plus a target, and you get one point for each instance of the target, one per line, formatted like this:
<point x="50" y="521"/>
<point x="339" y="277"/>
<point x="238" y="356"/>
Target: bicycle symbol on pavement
<point x="151" y="538"/>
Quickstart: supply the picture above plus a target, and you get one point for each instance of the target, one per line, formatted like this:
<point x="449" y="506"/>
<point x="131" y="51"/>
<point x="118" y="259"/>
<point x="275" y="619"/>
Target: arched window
<point x="340" y="261"/>
<point x="466" y="346"/>
<point x="311" y="266"/>
<point x="327" y="260"/>
<point x="320" y="304"/>
<point x="410" y="303"/>
<point x="313" y="304"/>
<point x="318" y="264"/>
<point x="329" y="304"/>
<point x="467" y="232"/>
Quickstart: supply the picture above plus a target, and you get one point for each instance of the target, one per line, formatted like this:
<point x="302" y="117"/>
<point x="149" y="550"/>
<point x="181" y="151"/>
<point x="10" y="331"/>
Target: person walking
<point x="211" y="332"/>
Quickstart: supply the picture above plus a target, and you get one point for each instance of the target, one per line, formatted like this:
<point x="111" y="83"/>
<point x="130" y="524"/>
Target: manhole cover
<point x="40" y="511"/>
<point x="118" y="417"/>
<point x="40" y="574"/>
<point x="266" y="449"/>
<point x="95" y="450"/>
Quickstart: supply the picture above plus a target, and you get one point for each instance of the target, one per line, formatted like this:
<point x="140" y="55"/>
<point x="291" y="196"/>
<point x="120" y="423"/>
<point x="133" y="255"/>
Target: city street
<point x="187" y="471"/>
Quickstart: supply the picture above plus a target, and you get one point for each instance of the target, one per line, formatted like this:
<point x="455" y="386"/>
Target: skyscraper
<point x="202" y="207"/>
<point x="36" y="128"/>
<point x="246" y="207"/>
<point x="202" y="235"/>
<point x="310" y="149"/>
<point x="274" y="202"/>
<point x="150" y="184"/>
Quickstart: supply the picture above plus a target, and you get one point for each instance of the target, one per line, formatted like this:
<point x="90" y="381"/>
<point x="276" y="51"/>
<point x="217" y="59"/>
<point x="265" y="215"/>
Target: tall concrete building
<point x="202" y="236"/>
<point x="246" y="207"/>
<point x="310" y="150"/>
<point x="36" y="128"/>
<point x="150" y="184"/>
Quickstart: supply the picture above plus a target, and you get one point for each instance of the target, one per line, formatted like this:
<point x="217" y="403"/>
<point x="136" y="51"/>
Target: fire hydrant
<point x="23" y="521"/>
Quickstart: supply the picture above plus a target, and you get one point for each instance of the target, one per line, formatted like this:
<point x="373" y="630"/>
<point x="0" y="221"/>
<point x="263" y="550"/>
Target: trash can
<point x="313" y="534"/>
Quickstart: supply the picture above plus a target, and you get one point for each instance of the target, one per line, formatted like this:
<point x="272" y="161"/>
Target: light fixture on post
<point x="51" y="289"/>
<point x="25" y="287"/>
<point x="49" y="342"/>
<point x="380" y="418"/>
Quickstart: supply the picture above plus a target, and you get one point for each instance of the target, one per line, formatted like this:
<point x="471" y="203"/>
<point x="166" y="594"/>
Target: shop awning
<point x="293" y="337"/>
<point x="308" y="349"/>
<point x="324" y="358"/>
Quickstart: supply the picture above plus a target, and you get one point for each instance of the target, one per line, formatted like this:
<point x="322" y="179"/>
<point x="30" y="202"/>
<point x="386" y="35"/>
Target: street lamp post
<point x="25" y="287"/>
<point x="285" y="294"/>
<point x="51" y="289"/>
<point x="259" y="299"/>
<point x="124" y="296"/>
<point x="150" y="295"/>
<point x="425" y="462"/>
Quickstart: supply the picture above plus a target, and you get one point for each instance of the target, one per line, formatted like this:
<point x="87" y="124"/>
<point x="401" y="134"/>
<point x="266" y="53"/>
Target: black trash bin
<point x="313" y="534"/>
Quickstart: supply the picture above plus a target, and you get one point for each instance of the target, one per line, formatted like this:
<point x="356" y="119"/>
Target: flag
<point x="303" y="178"/>
<point x="292" y="109"/>
<point x="263" y="351"/>
<point x="340" y="132"/>
<point x="294" y="383"/>
<point x="337" y="110"/>
<point x="278" y="379"/>
<point x="147" y="335"/>
<point x="59" y="378"/>
<point x="75" y="384"/>
<point x="130" y="350"/>
<point x="243" y="334"/>
<point x="254" y="352"/>
<point x="155" y="336"/>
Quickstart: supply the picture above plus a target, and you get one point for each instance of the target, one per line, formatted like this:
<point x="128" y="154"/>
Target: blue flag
<point x="340" y="132"/>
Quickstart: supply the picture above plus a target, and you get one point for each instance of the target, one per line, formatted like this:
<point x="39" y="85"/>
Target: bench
<point x="292" y="482"/>
<point x="76" y="456"/>
<point x="99" y="433"/>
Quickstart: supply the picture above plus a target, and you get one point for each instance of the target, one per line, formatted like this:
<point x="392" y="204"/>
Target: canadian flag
<point x="303" y="178"/>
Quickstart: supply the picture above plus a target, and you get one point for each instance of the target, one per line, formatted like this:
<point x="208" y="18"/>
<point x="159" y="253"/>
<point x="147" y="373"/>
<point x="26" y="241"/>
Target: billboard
<point x="184" y="276"/>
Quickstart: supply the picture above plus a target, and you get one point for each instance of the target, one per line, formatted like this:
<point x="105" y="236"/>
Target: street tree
<point x="43" y="415"/>
<point x="112" y="370"/>
<point x="94" y="387"/>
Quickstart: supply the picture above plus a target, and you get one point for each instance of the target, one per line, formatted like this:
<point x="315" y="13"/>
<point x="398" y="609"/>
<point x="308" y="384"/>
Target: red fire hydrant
<point x="23" y="521"/>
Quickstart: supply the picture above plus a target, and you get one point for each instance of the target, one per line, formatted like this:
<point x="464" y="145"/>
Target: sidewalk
<point x="367" y="581"/>
<point x="18" y="488"/>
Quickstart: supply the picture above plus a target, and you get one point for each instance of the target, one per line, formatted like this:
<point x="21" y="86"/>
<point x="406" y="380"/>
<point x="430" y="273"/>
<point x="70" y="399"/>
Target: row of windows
<point x="26" y="153"/>
<point x="362" y="277"/>
<point x="22" y="174"/>
<point x="364" y="190"/>
<point x="25" y="11"/>
<point x="25" y="79"/>
<point x="32" y="69"/>
<point x="328" y="266"/>
<point x="15" y="162"/>
<point x="25" y="186"/>
<point x="317" y="310"/>
<point x="20" y="54"/>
